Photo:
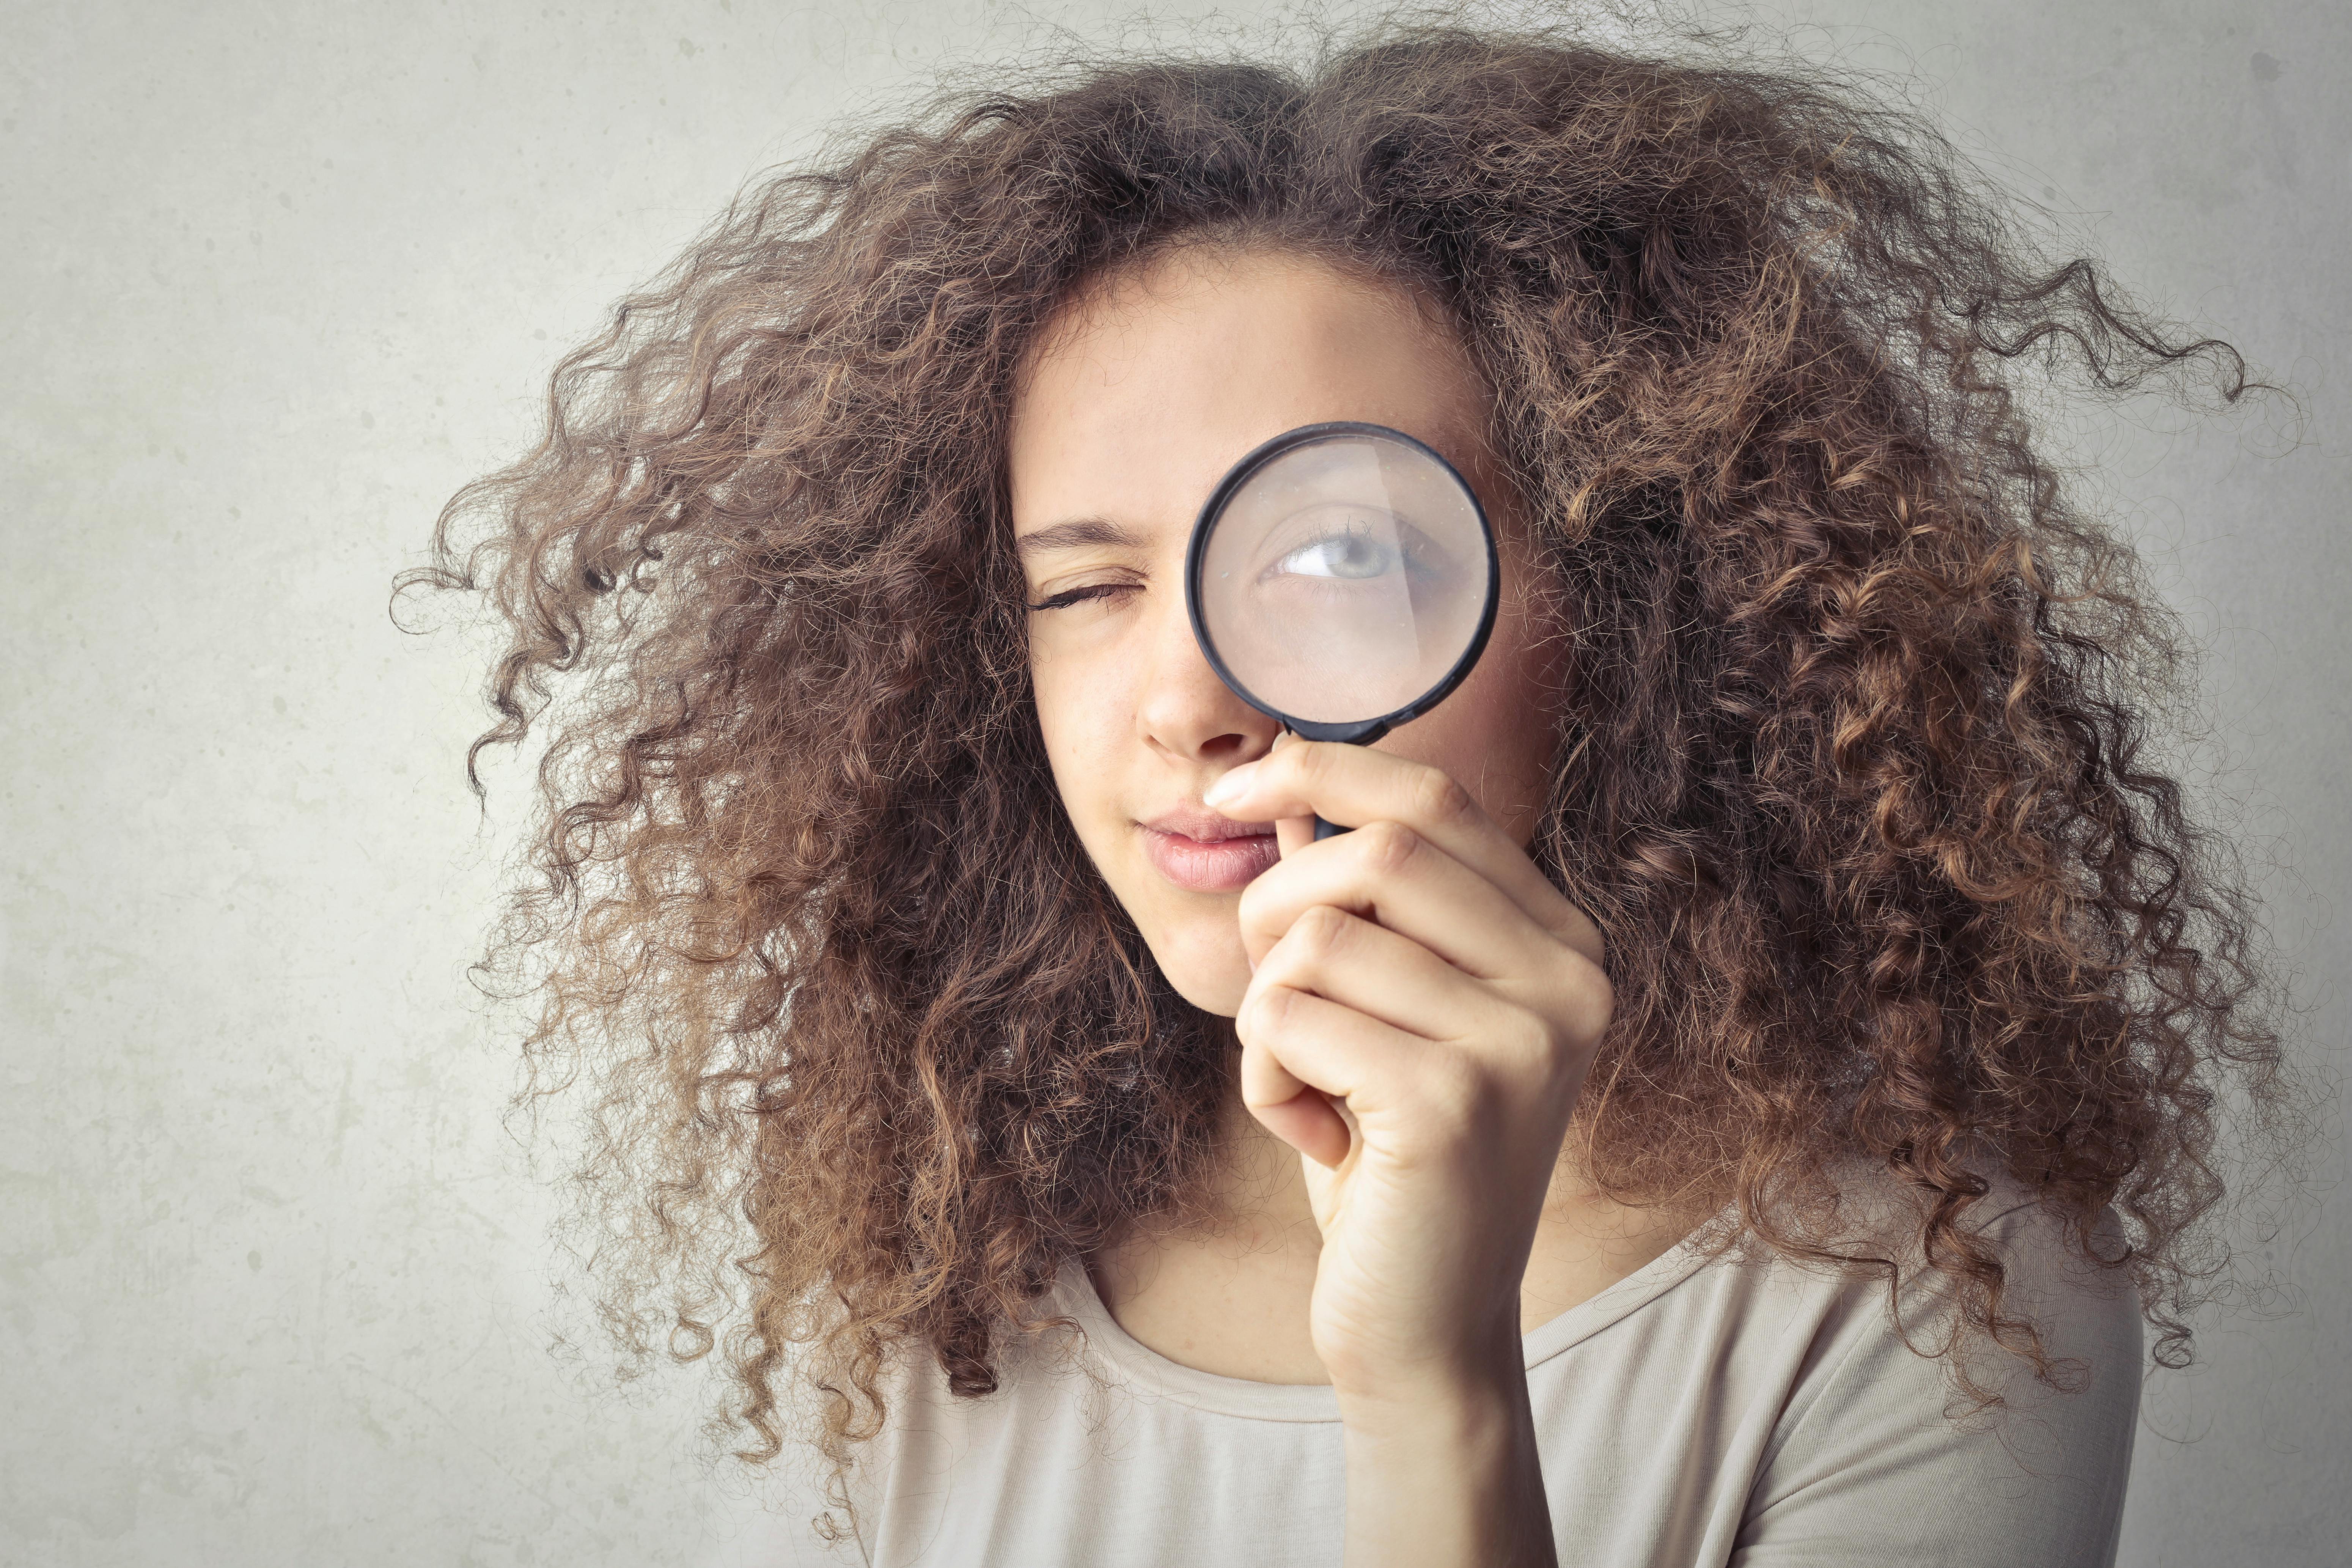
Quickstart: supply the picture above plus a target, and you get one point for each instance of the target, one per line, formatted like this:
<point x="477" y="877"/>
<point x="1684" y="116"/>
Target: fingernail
<point x="1232" y="786"/>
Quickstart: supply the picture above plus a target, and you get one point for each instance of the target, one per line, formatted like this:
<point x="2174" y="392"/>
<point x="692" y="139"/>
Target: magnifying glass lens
<point x="1344" y="578"/>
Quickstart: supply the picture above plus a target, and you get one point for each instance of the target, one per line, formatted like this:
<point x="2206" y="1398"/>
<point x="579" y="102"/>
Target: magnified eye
<point x="1340" y="544"/>
<point x="1353" y="555"/>
<point x="1342" y="574"/>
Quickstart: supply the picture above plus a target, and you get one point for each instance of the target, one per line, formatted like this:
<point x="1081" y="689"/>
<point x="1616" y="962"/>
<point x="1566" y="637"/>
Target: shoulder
<point x="2050" y="1278"/>
<point x="1905" y="1321"/>
<point x="1909" y="1425"/>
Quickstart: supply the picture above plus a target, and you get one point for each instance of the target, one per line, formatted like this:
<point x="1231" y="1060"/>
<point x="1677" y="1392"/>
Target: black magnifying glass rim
<point x="1358" y="731"/>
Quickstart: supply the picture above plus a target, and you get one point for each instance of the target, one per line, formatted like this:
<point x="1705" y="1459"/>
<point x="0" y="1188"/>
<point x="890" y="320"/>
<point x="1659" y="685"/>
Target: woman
<point x="1741" y="1089"/>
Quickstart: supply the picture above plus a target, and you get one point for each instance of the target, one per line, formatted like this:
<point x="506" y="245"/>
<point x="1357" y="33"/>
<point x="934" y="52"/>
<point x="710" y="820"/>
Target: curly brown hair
<point x="1855" y="775"/>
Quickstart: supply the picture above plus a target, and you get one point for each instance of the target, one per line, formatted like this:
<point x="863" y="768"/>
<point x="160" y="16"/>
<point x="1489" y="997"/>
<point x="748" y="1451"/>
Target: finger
<point x="1356" y="786"/>
<point x="1286" y="1105"/>
<point x="1291" y="833"/>
<point x="1311" y="1124"/>
<point x="1390" y="978"/>
<point x="1392" y="874"/>
<point x="1292" y="1040"/>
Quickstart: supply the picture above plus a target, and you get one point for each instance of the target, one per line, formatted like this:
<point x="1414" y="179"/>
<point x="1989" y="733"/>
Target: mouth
<point x="1202" y="852"/>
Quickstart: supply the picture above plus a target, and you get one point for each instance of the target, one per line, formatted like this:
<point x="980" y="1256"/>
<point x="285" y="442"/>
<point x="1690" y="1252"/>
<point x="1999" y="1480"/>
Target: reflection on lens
<point x="1344" y="578"/>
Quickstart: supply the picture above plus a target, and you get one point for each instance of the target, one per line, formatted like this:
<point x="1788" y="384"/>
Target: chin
<point x="1211" y="971"/>
<point x="1223" y="999"/>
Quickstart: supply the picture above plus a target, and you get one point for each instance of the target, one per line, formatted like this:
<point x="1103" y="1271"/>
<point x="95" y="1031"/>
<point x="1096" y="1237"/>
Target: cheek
<point x="1493" y="735"/>
<point x="1080" y="707"/>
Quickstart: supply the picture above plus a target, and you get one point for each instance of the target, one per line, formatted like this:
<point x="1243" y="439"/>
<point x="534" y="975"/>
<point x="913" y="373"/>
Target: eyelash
<point x="1070" y="597"/>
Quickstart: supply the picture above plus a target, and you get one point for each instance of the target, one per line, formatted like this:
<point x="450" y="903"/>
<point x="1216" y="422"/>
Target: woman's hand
<point x="1422" y="1009"/>
<point x="1422" y="1013"/>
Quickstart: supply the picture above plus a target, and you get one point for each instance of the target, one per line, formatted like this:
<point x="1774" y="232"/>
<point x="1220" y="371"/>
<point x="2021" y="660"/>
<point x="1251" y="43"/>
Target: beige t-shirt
<point x="1732" y="1411"/>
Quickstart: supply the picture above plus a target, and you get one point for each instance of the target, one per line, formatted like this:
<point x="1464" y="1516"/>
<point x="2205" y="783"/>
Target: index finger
<point x="1353" y="786"/>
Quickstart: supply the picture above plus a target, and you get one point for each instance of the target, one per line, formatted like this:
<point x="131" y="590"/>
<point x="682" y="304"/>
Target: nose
<point x="1186" y="713"/>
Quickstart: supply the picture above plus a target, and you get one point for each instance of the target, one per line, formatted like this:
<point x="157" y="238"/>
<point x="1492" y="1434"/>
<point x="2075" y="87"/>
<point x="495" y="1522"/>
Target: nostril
<point x="1223" y="745"/>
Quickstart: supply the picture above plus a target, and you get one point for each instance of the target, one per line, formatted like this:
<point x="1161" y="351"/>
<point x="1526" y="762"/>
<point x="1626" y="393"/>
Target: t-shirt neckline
<point x="1126" y="1360"/>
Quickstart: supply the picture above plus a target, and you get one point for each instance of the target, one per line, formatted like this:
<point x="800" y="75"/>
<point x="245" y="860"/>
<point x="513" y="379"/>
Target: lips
<point x="1205" y="853"/>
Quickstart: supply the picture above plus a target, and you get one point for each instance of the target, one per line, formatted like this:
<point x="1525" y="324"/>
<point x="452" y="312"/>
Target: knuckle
<point x="1438" y="799"/>
<point x="1528" y="1047"/>
<point x="1267" y="1012"/>
<point x="1387" y="847"/>
<point x="1321" y="932"/>
<point x="1599" y="1005"/>
<point x="1587" y="1001"/>
<point x="1529" y="1035"/>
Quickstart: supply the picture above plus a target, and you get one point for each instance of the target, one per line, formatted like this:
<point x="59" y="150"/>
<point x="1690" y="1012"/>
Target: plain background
<point x="275" y="1286"/>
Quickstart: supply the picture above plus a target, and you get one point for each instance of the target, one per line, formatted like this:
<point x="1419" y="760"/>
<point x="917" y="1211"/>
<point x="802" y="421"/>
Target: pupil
<point x="1354" y="557"/>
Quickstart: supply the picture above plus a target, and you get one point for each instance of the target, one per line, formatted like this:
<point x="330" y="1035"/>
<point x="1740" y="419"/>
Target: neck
<point x="1258" y="1180"/>
<point x="1224" y="1285"/>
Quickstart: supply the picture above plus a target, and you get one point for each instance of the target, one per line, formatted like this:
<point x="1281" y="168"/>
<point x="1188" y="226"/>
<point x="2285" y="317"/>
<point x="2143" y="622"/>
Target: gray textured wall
<point x="275" y="1286"/>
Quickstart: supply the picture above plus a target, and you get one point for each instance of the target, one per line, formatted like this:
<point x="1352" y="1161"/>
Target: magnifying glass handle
<point x="1353" y="735"/>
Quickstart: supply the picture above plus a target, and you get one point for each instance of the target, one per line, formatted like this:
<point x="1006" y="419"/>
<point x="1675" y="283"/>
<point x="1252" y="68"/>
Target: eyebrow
<point x="1075" y="533"/>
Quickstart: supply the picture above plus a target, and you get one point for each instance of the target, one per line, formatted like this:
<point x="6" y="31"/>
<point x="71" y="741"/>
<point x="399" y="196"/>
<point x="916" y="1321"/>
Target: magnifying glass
<point x="1341" y="579"/>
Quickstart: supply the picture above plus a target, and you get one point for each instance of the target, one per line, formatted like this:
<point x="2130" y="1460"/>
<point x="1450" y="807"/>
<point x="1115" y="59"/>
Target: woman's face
<point x="1150" y="387"/>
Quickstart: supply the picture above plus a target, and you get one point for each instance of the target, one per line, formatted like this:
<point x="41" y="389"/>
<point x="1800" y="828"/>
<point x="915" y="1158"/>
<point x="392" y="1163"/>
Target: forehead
<point x="1151" y="384"/>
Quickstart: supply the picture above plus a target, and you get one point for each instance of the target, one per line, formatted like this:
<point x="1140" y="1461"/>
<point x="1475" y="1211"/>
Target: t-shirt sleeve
<point x="1870" y="1468"/>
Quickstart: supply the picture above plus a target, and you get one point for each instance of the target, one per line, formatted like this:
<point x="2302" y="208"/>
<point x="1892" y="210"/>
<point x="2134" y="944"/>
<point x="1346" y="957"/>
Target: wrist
<point x="1463" y="1393"/>
<point x="1464" y="1371"/>
<point x="1446" y="1472"/>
